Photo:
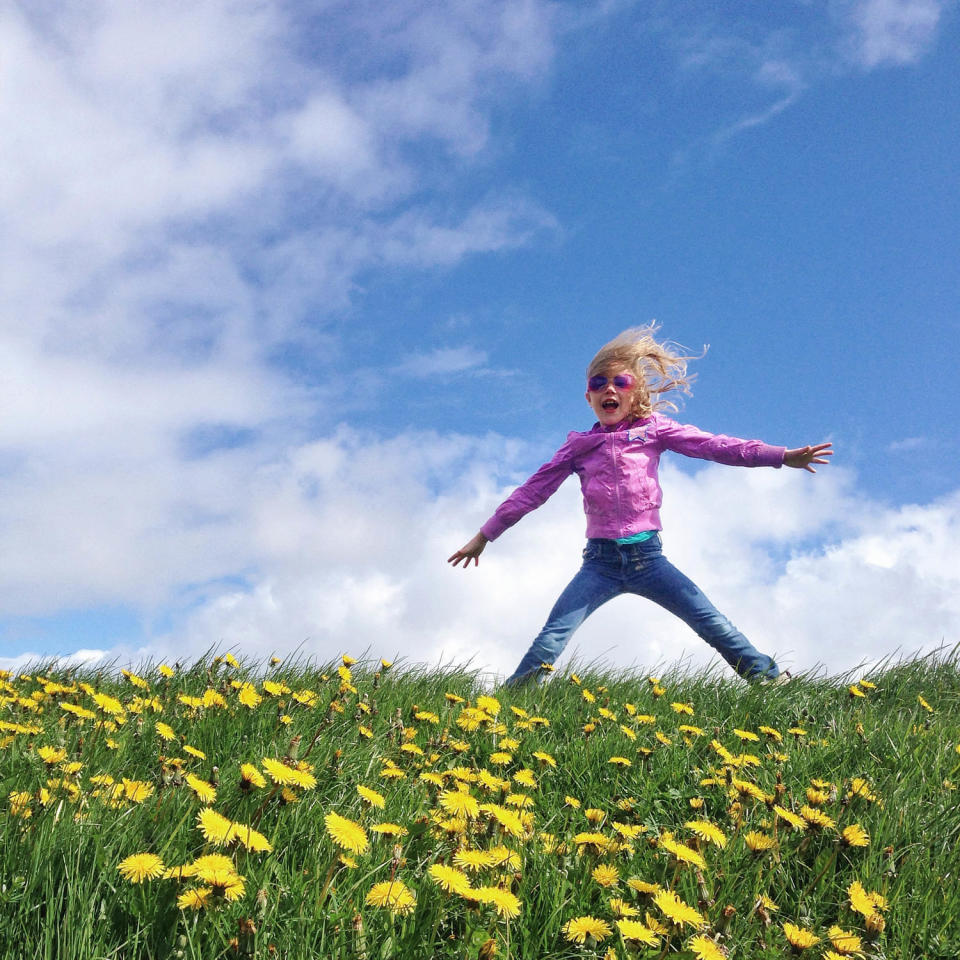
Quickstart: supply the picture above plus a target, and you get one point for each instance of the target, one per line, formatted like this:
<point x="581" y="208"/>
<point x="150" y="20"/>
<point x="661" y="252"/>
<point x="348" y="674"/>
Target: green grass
<point x="63" y="834"/>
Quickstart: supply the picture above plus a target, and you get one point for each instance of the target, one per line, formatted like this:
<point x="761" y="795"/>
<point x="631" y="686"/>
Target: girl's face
<point x="611" y="395"/>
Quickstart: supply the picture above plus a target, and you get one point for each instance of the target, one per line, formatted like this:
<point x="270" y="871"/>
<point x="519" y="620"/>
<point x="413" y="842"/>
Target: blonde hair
<point x="658" y="366"/>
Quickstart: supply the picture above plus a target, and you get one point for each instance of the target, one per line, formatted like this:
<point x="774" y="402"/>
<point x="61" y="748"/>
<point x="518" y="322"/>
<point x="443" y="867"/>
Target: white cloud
<point x="895" y="32"/>
<point x="346" y="539"/>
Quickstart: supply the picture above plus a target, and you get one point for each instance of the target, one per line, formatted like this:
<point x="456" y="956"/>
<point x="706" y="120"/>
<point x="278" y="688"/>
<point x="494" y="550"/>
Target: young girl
<point x="616" y="462"/>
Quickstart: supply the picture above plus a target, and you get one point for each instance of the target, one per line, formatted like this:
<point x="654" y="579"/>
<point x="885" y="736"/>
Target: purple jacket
<point x="618" y="473"/>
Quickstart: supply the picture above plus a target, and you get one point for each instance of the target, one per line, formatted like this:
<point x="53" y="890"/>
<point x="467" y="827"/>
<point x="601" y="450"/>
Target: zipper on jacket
<point x="616" y="481"/>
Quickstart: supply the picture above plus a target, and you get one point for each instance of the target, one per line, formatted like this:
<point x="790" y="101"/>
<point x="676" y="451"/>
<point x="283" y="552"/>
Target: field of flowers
<point x="360" y="810"/>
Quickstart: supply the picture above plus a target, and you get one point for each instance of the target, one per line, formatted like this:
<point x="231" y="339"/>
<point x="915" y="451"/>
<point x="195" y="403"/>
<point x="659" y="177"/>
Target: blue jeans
<point x="609" y="569"/>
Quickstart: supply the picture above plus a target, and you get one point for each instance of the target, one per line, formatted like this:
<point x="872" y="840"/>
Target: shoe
<point x="785" y="676"/>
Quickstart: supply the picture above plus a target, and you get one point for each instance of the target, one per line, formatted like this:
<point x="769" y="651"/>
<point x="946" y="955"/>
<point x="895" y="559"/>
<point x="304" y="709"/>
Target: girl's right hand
<point x="469" y="551"/>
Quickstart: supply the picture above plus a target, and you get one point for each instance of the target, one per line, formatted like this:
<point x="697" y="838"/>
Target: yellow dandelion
<point x="252" y="839"/>
<point x="371" y="796"/>
<point x="51" y="755"/>
<point x="503" y="901"/>
<point x="798" y="823"/>
<point x="637" y="932"/>
<point x="799" y="937"/>
<point x="392" y="895"/>
<point x="707" y="831"/>
<point x="459" y="804"/>
<point x="508" y="820"/>
<point x="165" y="732"/>
<point x="623" y="909"/>
<point x="389" y="829"/>
<point x="844" y="941"/>
<point x="620" y="761"/>
<point x="215" y="827"/>
<point x="580" y="929"/>
<point x="279" y="772"/>
<point x="196" y="899"/>
<point x="194" y="752"/>
<point x="571" y="802"/>
<point x="606" y="875"/>
<point x="855" y="836"/>
<point x="108" y="704"/>
<point x="682" y="852"/>
<point x="705" y="949"/>
<point x="759" y="842"/>
<point x="855" y="691"/>
<point x="474" y="860"/>
<point x="677" y="911"/>
<point x="249" y="697"/>
<point x="449" y="879"/>
<point x="745" y="735"/>
<point x="140" y="867"/>
<point x="345" y="833"/>
<point x="205" y="791"/>
<point x="817" y="818"/>
<point x="525" y="778"/>
<point x="250" y="776"/>
<point x="682" y="708"/>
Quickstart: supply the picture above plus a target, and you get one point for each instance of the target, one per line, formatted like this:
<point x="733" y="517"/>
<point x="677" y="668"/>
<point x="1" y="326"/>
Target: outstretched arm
<point x="803" y="457"/>
<point x="470" y="551"/>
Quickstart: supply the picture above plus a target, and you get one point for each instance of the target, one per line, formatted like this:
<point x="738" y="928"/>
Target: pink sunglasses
<point x="622" y="381"/>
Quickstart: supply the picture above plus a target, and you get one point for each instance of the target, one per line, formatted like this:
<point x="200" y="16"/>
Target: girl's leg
<point x="589" y="589"/>
<point x="655" y="578"/>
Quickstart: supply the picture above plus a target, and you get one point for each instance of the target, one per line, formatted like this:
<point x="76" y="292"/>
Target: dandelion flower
<point x="195" y="899"/>
<point x="798" y="823"/>
<point x="799" y="937"/>
<point x="707" y="831"/>
<point x="855" y="836"/>
<point x="682" y="852"/>
<point x="250" y="776"/>
<point x="279" y="772"/>
<point x="392" y="895"/>
<point x="637" y="932"/>
<point x="606" y="875"/>
<point x="140" y="867"/>
<point x="389" y="829"/>
<point x="51" y="755"/>
<point x="449" y="879"/>
<point x="759" y="842"/>
<point x="581" y="928"/>
<point x="620" y="761"/>
<point x="345" y="833"/>
<point x="201" y="788"/>
<point x="642" y="886"/>
<point x="505" y="903"/>
<point x="817" y="818"/>
<point x="459" y="804"/>
<point x="844" y="941"/>
<point x="215" y="827"/>
<point x="165" y="731"/>
<point x="371" y="796"/>
<point x="705" y="949"/>
<point x="473" y="859"/>
<point x="252" y="839"/>
<point x="678" y="911"/>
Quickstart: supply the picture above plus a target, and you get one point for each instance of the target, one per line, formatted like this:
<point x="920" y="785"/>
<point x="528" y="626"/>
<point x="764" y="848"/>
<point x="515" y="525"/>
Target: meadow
<point x="231" y="809"/>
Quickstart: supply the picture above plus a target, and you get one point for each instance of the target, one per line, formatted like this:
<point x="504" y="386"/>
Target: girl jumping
<point x="616" y="461"/>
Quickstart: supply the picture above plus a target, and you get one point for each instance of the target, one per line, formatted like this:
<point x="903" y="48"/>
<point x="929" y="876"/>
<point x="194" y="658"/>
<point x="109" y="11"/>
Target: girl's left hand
<point x="803" y="457"/>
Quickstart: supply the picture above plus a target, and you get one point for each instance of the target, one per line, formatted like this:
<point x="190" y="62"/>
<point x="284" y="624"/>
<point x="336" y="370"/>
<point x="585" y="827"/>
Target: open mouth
<point x="610" y="404"/>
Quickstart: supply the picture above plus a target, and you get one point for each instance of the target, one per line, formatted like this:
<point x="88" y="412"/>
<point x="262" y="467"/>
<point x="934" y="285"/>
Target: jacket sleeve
<point x="693" y="442"/>
<point x="531" y="494"/>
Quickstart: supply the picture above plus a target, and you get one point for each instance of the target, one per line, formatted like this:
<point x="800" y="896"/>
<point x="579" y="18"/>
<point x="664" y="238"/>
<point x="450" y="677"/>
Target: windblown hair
<point x="658" y="366"/>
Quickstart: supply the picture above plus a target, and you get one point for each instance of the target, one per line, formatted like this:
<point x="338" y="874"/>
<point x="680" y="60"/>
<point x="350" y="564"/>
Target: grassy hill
<point x="290" y="810"/>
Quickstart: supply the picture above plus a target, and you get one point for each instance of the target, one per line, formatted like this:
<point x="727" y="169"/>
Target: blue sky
<point x="294" y="297"/>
